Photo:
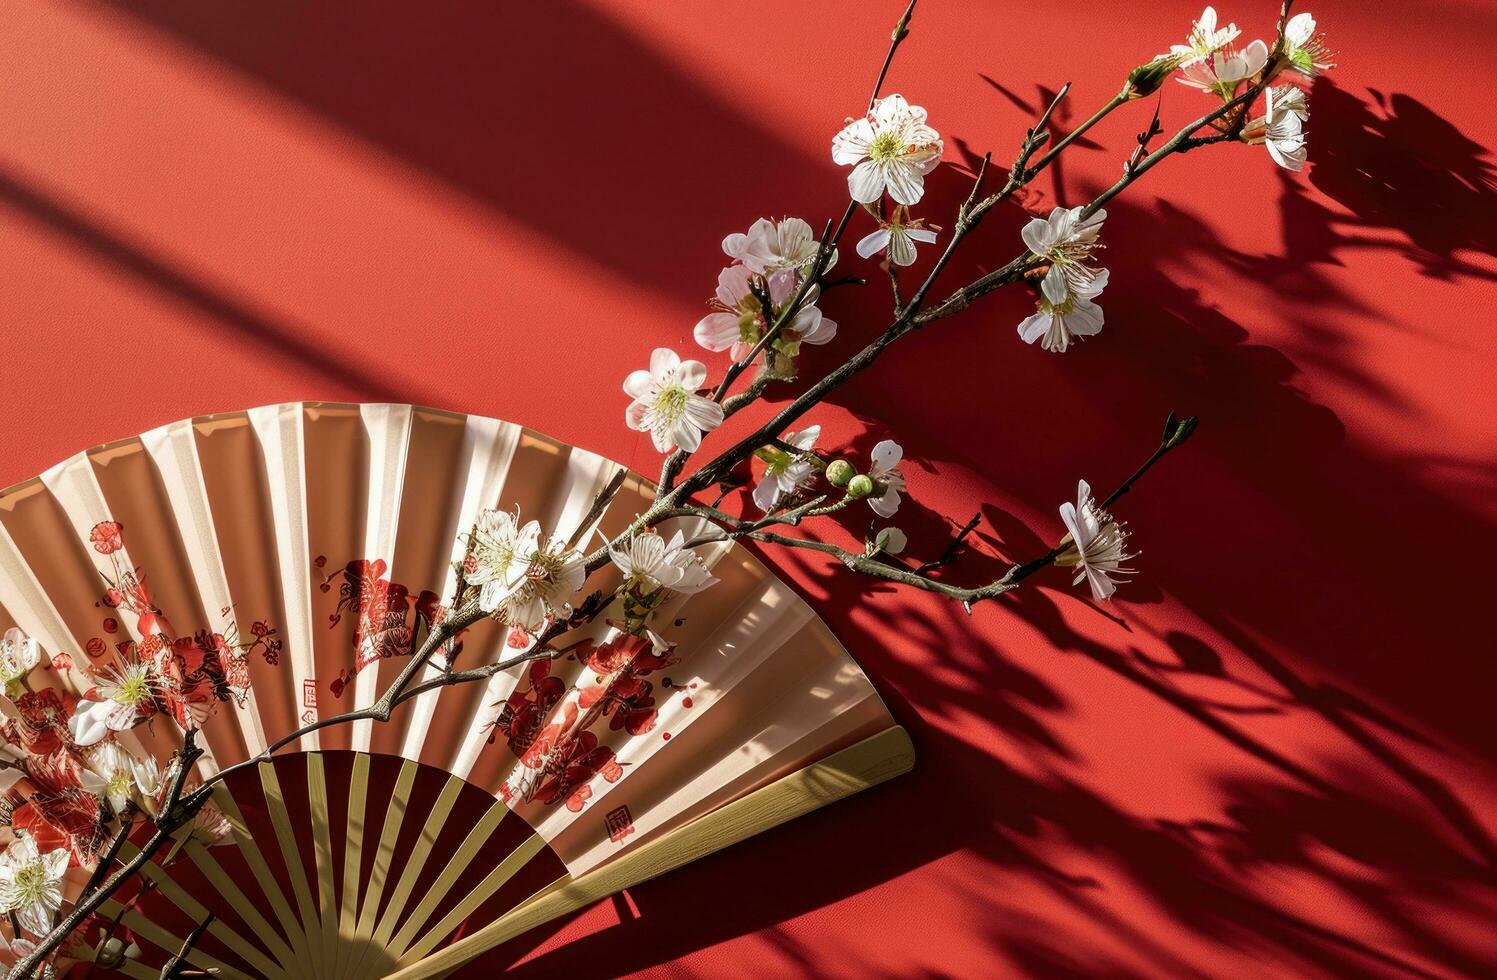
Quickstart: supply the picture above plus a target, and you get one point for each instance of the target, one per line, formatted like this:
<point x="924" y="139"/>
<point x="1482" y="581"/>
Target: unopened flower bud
<point x="1146" y="79"/>
<point x="890" y="540"/>
<point x="860" y="486"/>
<point x="840" y="473"/>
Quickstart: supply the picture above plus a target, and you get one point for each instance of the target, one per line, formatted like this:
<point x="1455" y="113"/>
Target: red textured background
<point x="1273" y="756"/>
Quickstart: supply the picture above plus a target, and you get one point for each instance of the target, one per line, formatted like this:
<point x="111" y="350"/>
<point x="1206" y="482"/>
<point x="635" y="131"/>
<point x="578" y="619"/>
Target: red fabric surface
<point x="1272" y="756"/>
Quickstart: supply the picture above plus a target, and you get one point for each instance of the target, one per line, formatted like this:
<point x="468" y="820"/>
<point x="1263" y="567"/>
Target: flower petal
<point x="906" y="185"/>
<point x="886" y="455"/>
<point x="715" y="331"/>
<point x="637" y="384"/>
<point x="873" y="243"/>
<point x="886" y="505"/>
<point x="704" y="413"/>
<point x="692" y="375"/>
<point x="866" y="182"/>
<point x="851" y="144"/>
<point x="663" y="359"/>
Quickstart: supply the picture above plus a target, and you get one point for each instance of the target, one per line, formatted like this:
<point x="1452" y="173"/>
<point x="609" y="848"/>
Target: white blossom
<point x="891" y="148"/>
<point x="666" y="403"/>
<point x="31" y="884"/>
<point x="740" y="321"/>
<point x="109" y="774"/>
<point x="1067" y="241"/>
<point x="884" y="469"/>
<point x="1056" y="322"/>
<point x="898" y="236"/>
<point x="649" y="561"/>
<point x="1304" y="50"/>
<point x="1282" y="127"/>
<point x="553" y="573"/>
<point x="500" y="556"/>
<point x="18" y="655"/>
<point x="149" y="785"/>
<point x="785" y="472"/>
<point x="1097" y="544"/>
<point x="124" y="694"/>
<point x="1205" y="38"/>
<point x="768" y="247"/>
<point x="1225" y="70"/>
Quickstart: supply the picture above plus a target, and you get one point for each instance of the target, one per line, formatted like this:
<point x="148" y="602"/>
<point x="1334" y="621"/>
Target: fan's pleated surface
<point x="314" y="541"/>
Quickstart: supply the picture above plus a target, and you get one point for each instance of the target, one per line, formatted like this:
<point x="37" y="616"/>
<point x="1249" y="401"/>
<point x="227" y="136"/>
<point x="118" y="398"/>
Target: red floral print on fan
<point x="107" y="537"/>
<point x="71" y="819"/>
<point x="42" y="727"/>
<point x="382" y="608"/>
<point x="574" y="765"/>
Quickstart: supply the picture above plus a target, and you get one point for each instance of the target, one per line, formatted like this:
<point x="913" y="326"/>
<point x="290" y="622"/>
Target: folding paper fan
<point x="285" y="560"/>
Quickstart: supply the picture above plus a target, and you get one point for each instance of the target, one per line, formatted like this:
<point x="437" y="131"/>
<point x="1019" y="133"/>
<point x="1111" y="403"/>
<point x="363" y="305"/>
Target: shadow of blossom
<point x="1397" y="165"/>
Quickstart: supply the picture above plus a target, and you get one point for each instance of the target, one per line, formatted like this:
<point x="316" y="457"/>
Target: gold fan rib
<point x="154" y="934"/>
<point x="221" y="930"/>
<point x="414" y="863"/>
<point x="353" y="859"/>
<point x="857" y="767"/>
<point x="380" y="870"/>
<point x="322" y="850"/>
<point x="456" y="865"/>
<point x="267" y="881"/>
<point x="275" y="805"/>
<point x="239" y="902"/>
<point x="481" y="893"/>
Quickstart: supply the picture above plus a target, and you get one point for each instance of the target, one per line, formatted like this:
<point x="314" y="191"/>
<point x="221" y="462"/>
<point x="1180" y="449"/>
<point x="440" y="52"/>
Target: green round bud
<point x="860" y="486"/>
<point x="840" y="473"/>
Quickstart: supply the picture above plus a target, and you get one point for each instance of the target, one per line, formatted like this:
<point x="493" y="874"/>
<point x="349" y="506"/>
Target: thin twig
<point x="173" y="969"/>
<point x="953" y="549"/>
<point x="901" y="31"/>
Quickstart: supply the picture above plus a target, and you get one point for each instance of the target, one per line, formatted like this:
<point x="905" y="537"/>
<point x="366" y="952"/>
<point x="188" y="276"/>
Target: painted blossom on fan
<point x="648" y="562"/>
<point x="898" y="236"/>
<point x="770" y="247"/>
<point x="1304" y="50"/>
<point x="884" y="469"/>
<point x="1056" y="323"/>
<point x="31" y="884"/>
<point x="785" y="472"/>
<point x="107" y="537"/>
<point x="1097" y="544"/>
<point x="125" y="695"/>
<point x="1281" y="128"/>
<point x="1067" y="241"/>
<point x="666" y="403"/>
<point x="1225" y="70"/>
<point x="18" y="655"/>
<point x="740" y="320"/>
<point x="890" y="149"/>
<point x="499" y="555"/>
<point x="1205" y="38"/>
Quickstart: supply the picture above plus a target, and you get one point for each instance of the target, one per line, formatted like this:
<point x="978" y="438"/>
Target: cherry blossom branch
<point x="1176" y="432"/>
<point x="901" y="31"/>
<point x="671" y="467"/>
